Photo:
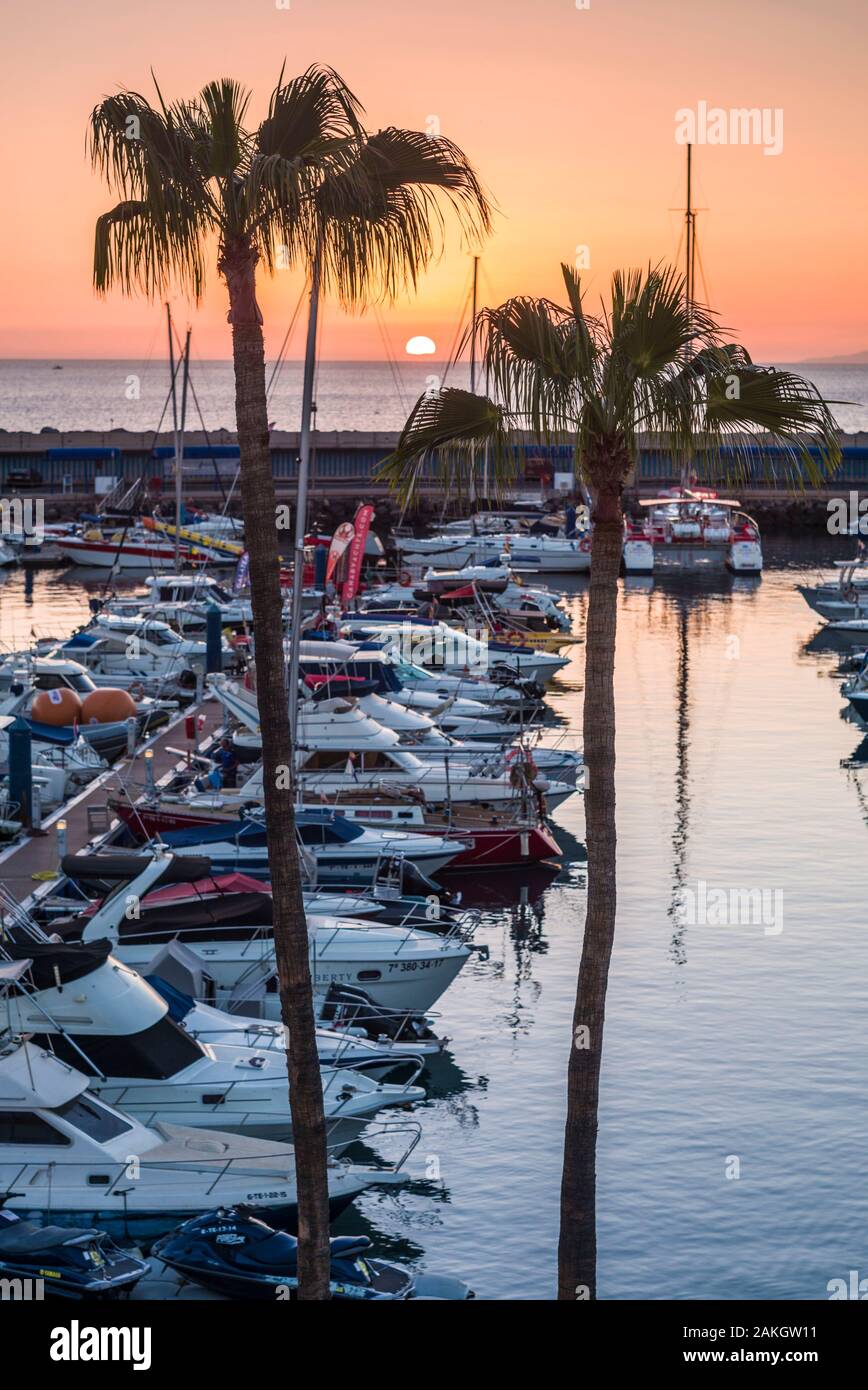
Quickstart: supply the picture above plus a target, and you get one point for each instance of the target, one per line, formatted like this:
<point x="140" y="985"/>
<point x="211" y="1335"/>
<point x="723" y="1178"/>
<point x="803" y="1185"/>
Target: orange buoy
<point x="106" y="706"/>
<point x="60" y="708"/>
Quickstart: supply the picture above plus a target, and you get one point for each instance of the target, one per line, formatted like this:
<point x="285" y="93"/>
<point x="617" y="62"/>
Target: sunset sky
<point x="568" y="115"/>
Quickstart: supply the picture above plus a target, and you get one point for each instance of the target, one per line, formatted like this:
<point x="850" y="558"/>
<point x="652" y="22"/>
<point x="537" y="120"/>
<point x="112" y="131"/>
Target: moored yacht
<point x="70" y="1157"/>
<point x="117" y="1030"/>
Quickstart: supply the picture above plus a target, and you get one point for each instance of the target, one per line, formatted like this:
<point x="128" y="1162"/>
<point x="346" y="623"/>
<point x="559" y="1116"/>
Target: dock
<point x="35" y="857"/>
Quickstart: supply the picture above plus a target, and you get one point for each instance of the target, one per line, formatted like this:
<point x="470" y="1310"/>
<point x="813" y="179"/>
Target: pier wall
<point x="71" y="469"/>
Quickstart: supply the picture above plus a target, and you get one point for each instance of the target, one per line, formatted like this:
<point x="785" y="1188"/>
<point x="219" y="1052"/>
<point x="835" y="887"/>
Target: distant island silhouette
<point x="848" y="359"/>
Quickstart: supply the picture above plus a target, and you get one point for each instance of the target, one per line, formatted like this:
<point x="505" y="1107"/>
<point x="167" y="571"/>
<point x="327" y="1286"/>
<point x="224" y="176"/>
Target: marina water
<point x="731" y="1154"/>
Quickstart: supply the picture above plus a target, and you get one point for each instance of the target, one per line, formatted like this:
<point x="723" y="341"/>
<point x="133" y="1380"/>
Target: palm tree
<point x="307" y="185"/>
<point x="649" y="362"/>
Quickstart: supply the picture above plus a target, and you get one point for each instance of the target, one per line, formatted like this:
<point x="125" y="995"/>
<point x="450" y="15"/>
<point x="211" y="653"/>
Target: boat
<point x="542" y="554"/>
<point x="22" y="677"/>
<point x="377" y="1058"/>
<point x="85" y="1162"/>
<point x="186" y="594"/>
<point x="125" y="650"/>
<point x="345" y="852"/>
<point x="845" y="599"/>
<point x="63" y="1263"/>
<point x="692" y="529"/>
<point x="399" y="968"/>
<point x="502" y="840"/>
<point x="241" y="1257"/>
<point x="118" y="1030"/>
<point x="127" y="548"/>
<point x="436" y="645"/>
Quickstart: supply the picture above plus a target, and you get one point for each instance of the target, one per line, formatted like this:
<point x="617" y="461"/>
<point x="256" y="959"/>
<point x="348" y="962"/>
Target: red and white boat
<point x="497" y="843"/>
<point x="692" y="529"/>
<point x="120" y="549"/>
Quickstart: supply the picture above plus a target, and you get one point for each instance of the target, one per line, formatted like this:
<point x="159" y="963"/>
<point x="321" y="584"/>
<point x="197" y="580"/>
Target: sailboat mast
<point x="175" y="440"/>
<point x="473" y="325"/>
<point x="690" y="241"/>
<point x="473" y="366"/>
<point x="302" y="485"/>
<point x="179" y="464"/>
<point x="690" y="271"/>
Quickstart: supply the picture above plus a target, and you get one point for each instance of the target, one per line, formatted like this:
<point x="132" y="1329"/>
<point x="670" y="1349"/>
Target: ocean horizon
<point x="101" y="394"/>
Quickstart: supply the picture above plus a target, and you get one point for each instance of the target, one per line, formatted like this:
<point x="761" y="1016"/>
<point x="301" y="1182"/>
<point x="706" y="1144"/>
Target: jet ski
<point x="68" y="1263"/>
<point x="233" y="1253"/>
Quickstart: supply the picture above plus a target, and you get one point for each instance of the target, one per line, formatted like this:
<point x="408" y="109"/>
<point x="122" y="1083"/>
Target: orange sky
<point x="568" y="114"/>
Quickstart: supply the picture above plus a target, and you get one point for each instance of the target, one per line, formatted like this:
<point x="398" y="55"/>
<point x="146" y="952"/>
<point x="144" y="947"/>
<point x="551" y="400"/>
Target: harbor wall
<point x="71" y="470"/>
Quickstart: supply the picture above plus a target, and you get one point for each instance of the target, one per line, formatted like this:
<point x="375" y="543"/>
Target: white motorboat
<point x="437" y="646"/>
<point x="68" y="1157"/>
<point x="344" y="852"/>
<point x="692" y="529"/>
<point x="337" y="1049"/>
<point x="413" y="688"/>
<point x="422" y="736"/>
<point x="398" y="968"/>
<point x="58" y="771"/>
<point x="117" y="649"/>
<point x="184" y="594"/>
<point x="542" y="554"/>
<point x="339" y="748"/>
<point x="116" y="1029"/>
<point x="847" y="597"/>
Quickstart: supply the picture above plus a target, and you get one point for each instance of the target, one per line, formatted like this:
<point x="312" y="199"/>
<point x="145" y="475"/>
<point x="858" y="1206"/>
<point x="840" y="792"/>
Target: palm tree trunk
<point x="238" y="265"/>
<point x="577" y="1252"/>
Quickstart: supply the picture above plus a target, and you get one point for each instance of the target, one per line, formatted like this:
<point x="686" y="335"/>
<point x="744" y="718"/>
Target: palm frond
<point x="166" y="210"/>
<point x="447" y="428"/>
<point x="312" y="131"/>
<point x="383" y="216"/>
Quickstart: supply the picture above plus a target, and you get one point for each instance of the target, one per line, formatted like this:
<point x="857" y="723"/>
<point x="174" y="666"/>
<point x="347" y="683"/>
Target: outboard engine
<point x="350" y="1008"/>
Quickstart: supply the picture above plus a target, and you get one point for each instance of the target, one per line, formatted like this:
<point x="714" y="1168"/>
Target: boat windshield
<point x="409" y="671"/>
<point x="327" y="831"/>
<point x="94" y="1119"/>
<point x="153" y="1054"/>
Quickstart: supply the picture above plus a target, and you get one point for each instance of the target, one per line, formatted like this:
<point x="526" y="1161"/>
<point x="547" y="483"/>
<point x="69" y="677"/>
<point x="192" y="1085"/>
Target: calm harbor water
<point x="727" y="1047"/>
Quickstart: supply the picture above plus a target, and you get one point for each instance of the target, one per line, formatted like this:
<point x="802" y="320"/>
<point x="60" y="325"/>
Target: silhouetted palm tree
<point x="651" y="363"/>
<point x="307" y="186"/>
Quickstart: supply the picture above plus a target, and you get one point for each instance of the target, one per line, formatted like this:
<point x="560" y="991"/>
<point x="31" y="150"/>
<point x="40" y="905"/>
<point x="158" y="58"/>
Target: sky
<point x="569" y="115"/>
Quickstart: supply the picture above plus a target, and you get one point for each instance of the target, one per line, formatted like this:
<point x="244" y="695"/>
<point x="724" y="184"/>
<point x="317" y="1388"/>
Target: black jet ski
<point x="69" y="1263"/>
<point x="233" y="1253"/>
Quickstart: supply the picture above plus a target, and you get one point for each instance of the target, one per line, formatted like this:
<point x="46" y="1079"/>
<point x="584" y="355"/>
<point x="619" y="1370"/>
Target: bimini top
<point x="56" y="963"/>
<point x="31" y="1079"/>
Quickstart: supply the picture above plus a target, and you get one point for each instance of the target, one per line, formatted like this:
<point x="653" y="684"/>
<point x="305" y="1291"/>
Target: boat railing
<point x="234" y="1166"/>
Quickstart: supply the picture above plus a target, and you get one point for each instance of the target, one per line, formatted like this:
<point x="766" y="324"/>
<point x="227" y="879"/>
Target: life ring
<point x="585" y="544"/>
<point x="851" y="593"/>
